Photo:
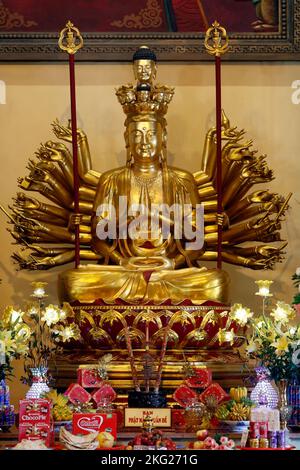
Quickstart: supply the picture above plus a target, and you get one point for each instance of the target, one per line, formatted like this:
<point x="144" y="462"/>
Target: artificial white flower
<point x="240" y="314"/>
<point x="51" y="315"/>
<point x="283" y="312"/>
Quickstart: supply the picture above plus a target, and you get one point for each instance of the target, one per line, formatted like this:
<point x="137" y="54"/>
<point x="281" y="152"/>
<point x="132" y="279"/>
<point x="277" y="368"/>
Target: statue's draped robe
<point x="110" y="281"/>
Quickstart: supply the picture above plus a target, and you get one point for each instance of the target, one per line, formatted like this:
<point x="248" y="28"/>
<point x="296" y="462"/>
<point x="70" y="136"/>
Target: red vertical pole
<point x="219" y="158"/>
<point x="75" y="155"/>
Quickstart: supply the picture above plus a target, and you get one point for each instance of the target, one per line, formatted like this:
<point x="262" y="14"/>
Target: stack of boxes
<point x="101" y="392"/>
<point x="102" y="395"/>
<point x="35" y="420"/>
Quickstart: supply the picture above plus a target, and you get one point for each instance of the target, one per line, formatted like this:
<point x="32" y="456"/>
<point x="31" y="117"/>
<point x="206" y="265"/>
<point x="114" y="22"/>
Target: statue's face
<point x="143" y="96"/>
<point x="144" y="70"/>
<point x="145" y="139"/>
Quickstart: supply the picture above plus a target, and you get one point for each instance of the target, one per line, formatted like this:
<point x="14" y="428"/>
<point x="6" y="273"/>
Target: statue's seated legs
<point x="109" y="283"/>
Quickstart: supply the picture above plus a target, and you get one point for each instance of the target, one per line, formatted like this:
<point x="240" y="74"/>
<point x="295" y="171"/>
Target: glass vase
<point x="264" y="393"/>
<point x="284" y="408"/>
<point x="39" y="382"/>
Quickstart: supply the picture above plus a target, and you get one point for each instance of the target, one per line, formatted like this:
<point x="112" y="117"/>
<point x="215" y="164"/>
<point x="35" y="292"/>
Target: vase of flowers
<point x="274" y="342"/>
<point x="36" y="333"/>
<point x="39" y="382"/>
<point x="264" y="393"/>
<point x="13" y="342"/>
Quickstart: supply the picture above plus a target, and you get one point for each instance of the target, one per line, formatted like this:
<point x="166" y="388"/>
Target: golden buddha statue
<point x="149" y="266"/>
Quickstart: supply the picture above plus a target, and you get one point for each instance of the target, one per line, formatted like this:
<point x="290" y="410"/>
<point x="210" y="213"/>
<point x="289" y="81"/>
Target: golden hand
<point x="28" y="184"/>
<point x="65" y="133"/>
<point x="39" y="175"/>
<point x="45" y="263"/>
<point x="22" y="261"/>
<point x="26" y="203"/>
<point x="53" y="152"/>
<point x="270" y="251"/>
<point x="74" y="219"/>
<point x="261" y="196"/>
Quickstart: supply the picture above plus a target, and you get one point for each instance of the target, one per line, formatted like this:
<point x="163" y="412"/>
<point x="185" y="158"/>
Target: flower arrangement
<point x="13" y="342"/>
<point x="271" y="339"/>
<point x="36" y="332"/>
<point x="274" y="341"/>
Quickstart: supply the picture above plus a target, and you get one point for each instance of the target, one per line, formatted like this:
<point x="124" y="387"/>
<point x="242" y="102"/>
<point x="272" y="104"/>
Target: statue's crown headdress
<point x="145" y="100"/>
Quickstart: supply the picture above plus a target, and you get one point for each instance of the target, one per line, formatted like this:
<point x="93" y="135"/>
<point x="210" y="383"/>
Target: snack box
<point x="36" y="410"/>
<point x="85" y="423"/>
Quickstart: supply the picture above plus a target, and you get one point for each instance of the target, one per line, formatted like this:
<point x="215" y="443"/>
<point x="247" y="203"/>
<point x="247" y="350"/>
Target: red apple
<point x="202" y="434"/>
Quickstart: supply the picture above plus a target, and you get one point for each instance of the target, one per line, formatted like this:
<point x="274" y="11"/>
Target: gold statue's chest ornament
<point x="151" y="268"/>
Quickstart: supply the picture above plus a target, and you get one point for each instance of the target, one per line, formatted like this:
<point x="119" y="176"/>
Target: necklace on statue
<point x="146" y="180"/>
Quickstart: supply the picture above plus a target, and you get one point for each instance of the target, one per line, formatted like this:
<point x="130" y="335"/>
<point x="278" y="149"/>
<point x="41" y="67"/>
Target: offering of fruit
<point x="222" y="412"/>
<point x="154" y="438"/>
<point x="61" y="410"/>
<point x="237" y="394"/>
<point x="201" y="434"/>
<point x="235" y="411"/>
<point x="106" y="440"/>
<point x="217" y="443"/>
<point x="239" y="412"/>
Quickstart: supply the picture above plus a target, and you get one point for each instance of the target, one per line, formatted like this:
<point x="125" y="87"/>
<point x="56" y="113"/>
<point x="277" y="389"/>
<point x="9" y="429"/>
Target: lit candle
<point x="39" y="290"/>
<point x="263" y="288"/>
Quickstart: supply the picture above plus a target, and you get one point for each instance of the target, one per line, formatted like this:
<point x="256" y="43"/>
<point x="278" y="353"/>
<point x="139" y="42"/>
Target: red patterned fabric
<point x="189" y="15"/>
<point x="120" y="16"/>
<point x="92" y="15"/>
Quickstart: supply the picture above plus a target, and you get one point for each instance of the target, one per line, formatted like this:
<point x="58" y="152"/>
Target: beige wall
<point x="256" y="97"/>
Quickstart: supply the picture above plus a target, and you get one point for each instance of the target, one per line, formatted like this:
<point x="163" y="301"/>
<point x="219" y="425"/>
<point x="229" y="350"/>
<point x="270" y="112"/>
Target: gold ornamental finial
<point x="70" y="39"/>
<point x="216" y="40"/>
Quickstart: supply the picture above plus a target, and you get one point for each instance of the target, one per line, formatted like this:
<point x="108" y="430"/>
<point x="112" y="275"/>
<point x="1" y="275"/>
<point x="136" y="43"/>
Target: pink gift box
<point x="77" y="394"/>
<point x="89" y="378"/>
<point x="104" y="394"/>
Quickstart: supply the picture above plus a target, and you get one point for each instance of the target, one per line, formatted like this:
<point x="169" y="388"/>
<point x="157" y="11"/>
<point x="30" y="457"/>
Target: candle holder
<point x="264" y="292"/>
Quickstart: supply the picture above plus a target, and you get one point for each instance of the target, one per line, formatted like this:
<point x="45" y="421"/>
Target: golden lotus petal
<point x="134" y="333"/>
<point x="209" y="317"/>
<point x="83" y="315"/>
<point x="110" y="316"/>
<point x="183" y="317"/>
<point x="224" y="313"/>
<point x="196" y="335"/>
<point x="69" y="310"/>
<point x="148" y="316"/>
<point x="99" y="333"/>
<point x="160" y="334"/>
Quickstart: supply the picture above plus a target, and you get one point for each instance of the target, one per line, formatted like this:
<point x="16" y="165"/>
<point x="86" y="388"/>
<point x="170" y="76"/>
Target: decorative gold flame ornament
<point x="216" y="40"/>
<point x="70" y="39"/>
